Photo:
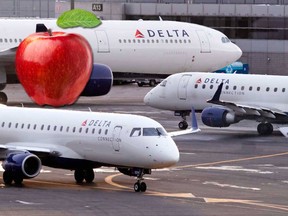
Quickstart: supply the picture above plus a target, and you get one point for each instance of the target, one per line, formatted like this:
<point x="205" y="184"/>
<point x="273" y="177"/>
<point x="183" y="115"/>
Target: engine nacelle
<point x="100" y="82"/>
<point x="218" y="117"/>
<point x="22" y="164"/>
<point x="133" y="171"/>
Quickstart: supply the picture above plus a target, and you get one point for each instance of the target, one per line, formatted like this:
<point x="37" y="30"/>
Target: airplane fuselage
<point x="148" y="47"/>
<point x="181" y="91"/>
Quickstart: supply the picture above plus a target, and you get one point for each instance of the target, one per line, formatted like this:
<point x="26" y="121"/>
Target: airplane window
<point x="67" y="129"/>
<point x="275" y="89"/>
<point x="55" y="128"/>
<point x="9" y="125"/>
<point x="226" y="87"/>
<point x="129" y="41"/>
<point x="99" y="132"/>
<point x="20" y="40"/>
<point x="124" y="40"/>
<point x="234" y="87"/>
<point x="120" y="41"/>
<point x="74" y="129"/>
<point x="106" y="131"/>
<point x="22" y="126"/>
<point x="258" y="88"/>
<point x="152" y="41"/>
<point x="161" y="131"/>
<point x="267" y="89"/>
<point x="189" y="41"/>
<point x="80" y="130"/>
<point x="283" y="89"/>
<point x="42" y="127"/>
<point x="1" y="40"/>
<point x="196" y="86"/>
<point x="176" y="41"/>
<point x="148" y="41"/>
<point x="163" y="83"/>
<point x="10" y="40"/>
<point x="184" y="41"/>
<point x="250" y="88"/>
<point x="87" y="130"/>
<point x="5" y="40"/>
<point x="61" y="128"/>
<point x="203" y="86"/>
<point x="16" y="125"/>
<point x="138" y="40"/>
<point x="93" y="130"/>
<point x="143" y="41"/>
<point x="242" y="88"/>
<point x="135" y="132"/>
<point x="153" y="132"/>
<point x="28" y="126"/>
<point x="3" y="124"/>
<point x="48" y="127"/>
<point x="223" y="40"/>
<point x="157" y="41"/>
<point x="166" y="41"/>
<point x="211" y="86"/>
<point x="171" y="41"/>
<point x="180" y="41"/>
<point x="35" y="126"/>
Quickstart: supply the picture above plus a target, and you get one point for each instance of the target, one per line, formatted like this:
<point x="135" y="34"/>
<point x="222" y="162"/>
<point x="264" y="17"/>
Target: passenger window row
<point x="10" y="40"/>
<point x="54" y="128"/>
<point x="242" y="88"/>
<point x="134" y="41"/>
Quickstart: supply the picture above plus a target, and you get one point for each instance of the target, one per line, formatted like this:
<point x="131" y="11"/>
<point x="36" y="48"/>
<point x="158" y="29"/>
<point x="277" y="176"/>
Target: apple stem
<point x="50" y="32"/>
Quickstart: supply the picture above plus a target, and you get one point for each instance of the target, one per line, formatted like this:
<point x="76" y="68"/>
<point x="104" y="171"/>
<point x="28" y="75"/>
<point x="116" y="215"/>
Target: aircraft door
<point x="182" y="86"/>
<point x="102" y="42"/>
<point x="116" y="138"/>
<point x="204" y="42"/>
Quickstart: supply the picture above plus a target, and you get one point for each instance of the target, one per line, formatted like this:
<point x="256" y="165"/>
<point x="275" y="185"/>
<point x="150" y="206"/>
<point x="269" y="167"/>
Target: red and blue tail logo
<point x="138" y="34"/>
<point x="199" y="81"/>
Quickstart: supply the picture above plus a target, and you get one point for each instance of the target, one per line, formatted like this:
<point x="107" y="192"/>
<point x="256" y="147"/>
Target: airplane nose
<point x="238" y="52"/>
<point x="172" y="155"/>
<point x="147" y="98"/>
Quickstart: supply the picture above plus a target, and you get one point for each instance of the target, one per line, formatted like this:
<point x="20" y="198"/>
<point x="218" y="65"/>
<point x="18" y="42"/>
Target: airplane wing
<point x="45" y="151"/>
<point x="194" y="127"/>
<point x="7" y="56"/>
<point x="249" y="112"/>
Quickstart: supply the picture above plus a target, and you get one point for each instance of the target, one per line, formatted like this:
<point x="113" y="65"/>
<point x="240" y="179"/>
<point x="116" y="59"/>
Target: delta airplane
<point x="263" y="98"/>
<point x="81" y="141"/>
<point x="154" y="48"/>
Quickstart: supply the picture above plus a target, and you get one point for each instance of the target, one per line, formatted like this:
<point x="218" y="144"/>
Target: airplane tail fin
<point x="194" y="126"/>
<point x="40" y="27"/>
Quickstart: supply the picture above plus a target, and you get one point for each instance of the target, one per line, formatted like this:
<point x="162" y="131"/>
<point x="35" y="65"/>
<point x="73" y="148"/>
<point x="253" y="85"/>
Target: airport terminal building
<point x="258" y="27"/>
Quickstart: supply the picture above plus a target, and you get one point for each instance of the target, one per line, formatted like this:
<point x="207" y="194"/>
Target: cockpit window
<point x="163" y="83"/>
<point x="153" y="132"/>
<point x="135" y="132"/>
<point x="225" y="40"/>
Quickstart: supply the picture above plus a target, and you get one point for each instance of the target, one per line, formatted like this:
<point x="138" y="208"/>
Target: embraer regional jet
<point x="81" y="141"/>
<point x="263" y="98"/>
<point x="153" y="48"/>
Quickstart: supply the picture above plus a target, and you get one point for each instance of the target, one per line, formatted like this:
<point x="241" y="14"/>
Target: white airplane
<point x="263" y="98"/>
<point x="153" y="48"/>
<point x="81" y="141"/>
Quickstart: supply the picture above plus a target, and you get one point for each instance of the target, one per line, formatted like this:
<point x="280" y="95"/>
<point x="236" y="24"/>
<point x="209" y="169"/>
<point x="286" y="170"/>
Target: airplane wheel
<point x="3" y="98"/>
<point x="7" y="178"/>
<point x="152" y="83"/>
<point x="265" y="128"/>
<point x="143" y="186"/>
<point x="18" y="180"/>
<point x="137" y="187"/>
<point x="89" y="175"/>
<point x="183" y="125"/>
<point x="79" y="176"/>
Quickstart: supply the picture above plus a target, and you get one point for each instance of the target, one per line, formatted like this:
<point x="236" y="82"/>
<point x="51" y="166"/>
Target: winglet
<point x="194" y="124"/>
<point x="217" y="94"/>
<point x="284" y="131"/>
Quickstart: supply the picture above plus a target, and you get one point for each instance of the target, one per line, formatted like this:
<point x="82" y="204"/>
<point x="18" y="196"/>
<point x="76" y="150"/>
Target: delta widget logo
<point x="139" y="34"/>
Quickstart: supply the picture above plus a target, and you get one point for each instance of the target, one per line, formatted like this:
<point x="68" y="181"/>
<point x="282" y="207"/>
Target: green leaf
<point x="78" y="17"/>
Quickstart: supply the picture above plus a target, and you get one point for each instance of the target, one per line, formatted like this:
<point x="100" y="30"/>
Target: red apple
<point x="54" y="67"/>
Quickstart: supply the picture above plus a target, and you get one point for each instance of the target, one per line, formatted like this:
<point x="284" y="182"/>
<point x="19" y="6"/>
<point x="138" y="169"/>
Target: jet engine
<point x="20" y="165"/>
<point x="100" y="81"/>
<point x="218" y="117"/>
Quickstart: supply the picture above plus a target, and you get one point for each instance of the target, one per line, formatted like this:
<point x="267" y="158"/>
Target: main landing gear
<point x="81" y="174"/>
<point x="265" y="128"/>
<point x="183" y="125"/>
<point x="8" y="178"/>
